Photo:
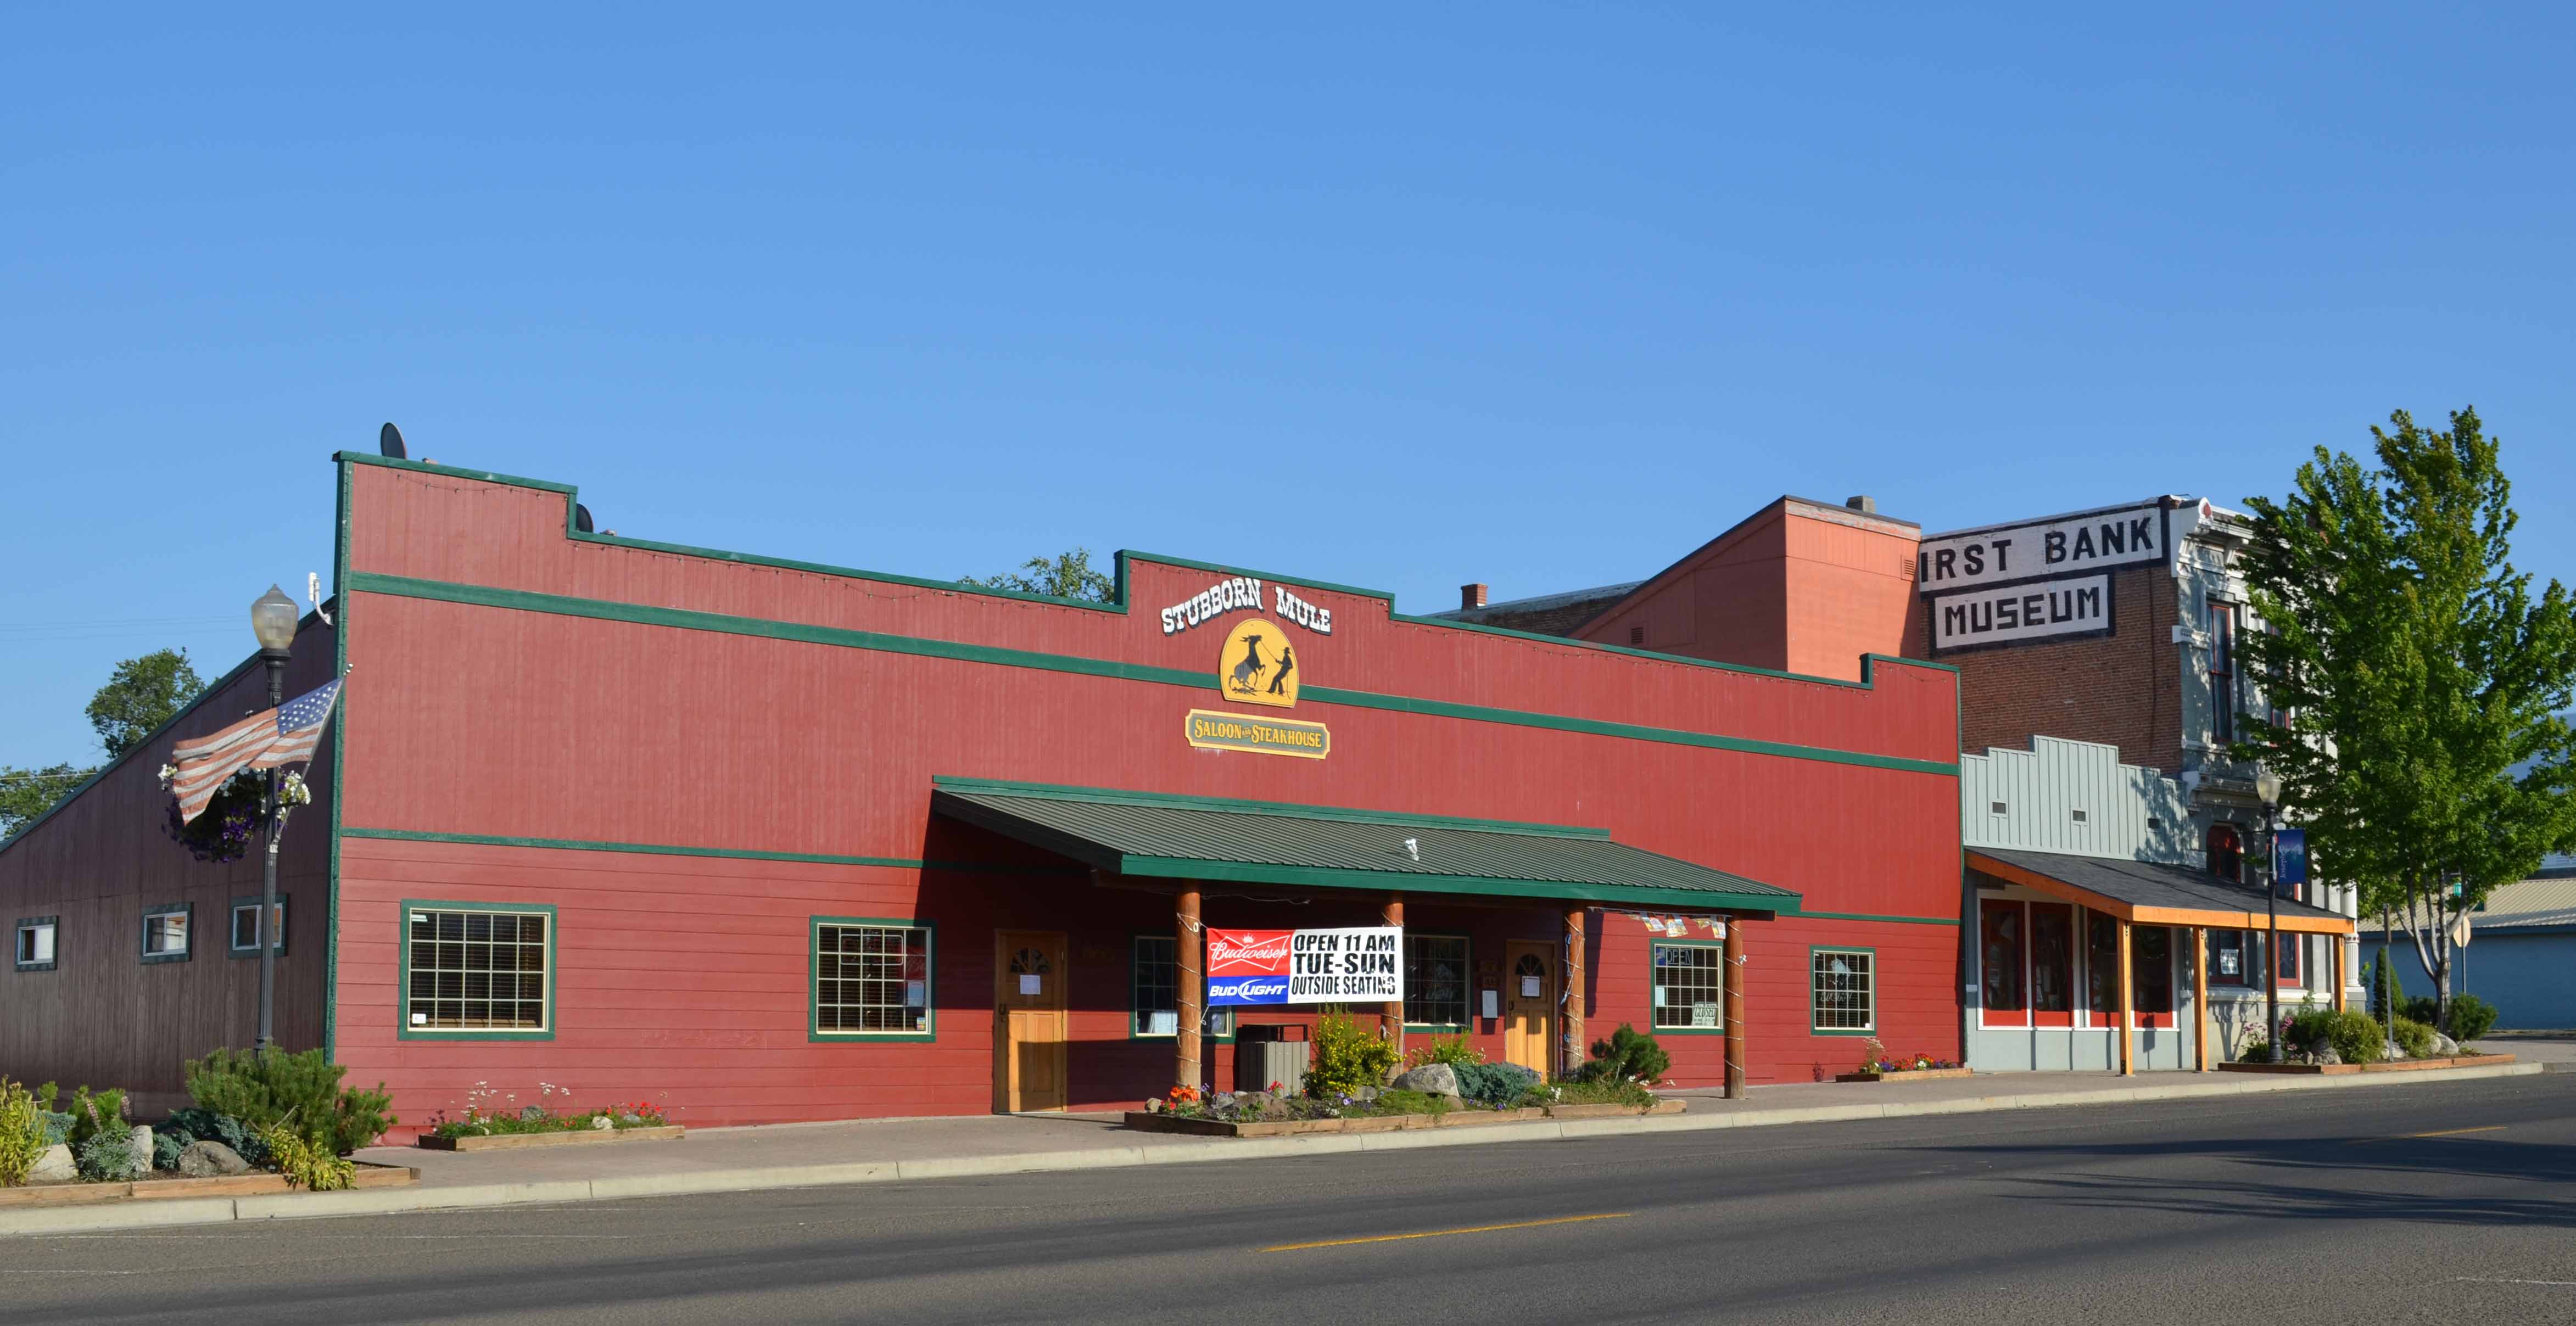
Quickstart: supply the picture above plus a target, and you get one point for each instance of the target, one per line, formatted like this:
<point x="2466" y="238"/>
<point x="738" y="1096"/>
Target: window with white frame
<point x="165" y="932"/>
<point x="1155" y="984"/>
<point x="871" y="978"/>
<point x="1845" y="985"/>
<point x="478" y="970"/>
<point x="244" y="931"/>
<point x="34" y="944"/>
<point x="1689" y="986"/>
<point x="1435" y="980"/>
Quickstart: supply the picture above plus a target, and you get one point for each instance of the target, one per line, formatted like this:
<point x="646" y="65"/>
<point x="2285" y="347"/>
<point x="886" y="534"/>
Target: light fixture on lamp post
<point x="273" y="619"/>
<point x="2267" y="788"/>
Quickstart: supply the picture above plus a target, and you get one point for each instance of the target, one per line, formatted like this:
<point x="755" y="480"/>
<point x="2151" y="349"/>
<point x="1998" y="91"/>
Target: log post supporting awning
<point x="2146" y="893"/>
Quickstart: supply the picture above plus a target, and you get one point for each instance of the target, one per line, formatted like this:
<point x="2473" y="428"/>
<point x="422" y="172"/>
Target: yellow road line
<point x="1444" y="1233"/>
<point x="2446" y="1132"/>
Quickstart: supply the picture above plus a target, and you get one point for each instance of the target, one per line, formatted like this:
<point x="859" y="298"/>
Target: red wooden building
<point x="770" y="840"/>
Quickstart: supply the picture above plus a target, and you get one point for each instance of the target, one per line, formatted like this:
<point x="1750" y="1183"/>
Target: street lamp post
<point x="2267" y="786"/>
<point x="272" y="619"/>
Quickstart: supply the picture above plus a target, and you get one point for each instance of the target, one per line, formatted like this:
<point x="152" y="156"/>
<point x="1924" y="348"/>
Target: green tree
<point x="143" y="694"/>
<point x="2416" y="680"/>
<point x="28" y="793"/>
<point x="1066" y="576"/>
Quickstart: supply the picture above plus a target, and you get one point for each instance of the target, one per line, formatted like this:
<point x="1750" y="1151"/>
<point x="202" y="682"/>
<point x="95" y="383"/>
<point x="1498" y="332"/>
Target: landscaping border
<point x="1904" y="1075"/>
<point x="257" y="1183"/>
<point x="2395" y="1066"/>
<point x="559" y="1137"/>
<point x="1386" y="1123"/>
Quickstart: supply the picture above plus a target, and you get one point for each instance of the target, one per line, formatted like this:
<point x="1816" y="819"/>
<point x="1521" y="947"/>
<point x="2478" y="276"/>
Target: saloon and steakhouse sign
<point x="1255" y="967"/>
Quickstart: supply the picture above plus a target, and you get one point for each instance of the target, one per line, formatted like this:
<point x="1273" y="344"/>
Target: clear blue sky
<point x="1536" y="298"/>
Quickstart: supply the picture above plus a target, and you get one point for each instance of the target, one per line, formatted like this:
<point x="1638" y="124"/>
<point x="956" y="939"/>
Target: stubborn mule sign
<point x="1255" y="967"/>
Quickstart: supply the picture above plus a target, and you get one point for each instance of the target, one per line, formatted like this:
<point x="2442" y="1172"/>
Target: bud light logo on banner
<point x="1247" y="967"/>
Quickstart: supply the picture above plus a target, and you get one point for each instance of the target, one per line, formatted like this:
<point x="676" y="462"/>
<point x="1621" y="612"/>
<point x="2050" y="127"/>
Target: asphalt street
<point x="2442" y="1203"/>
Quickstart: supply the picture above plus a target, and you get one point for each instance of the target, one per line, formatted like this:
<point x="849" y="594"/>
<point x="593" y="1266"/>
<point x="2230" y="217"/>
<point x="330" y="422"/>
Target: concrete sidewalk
<point x="878" y="1151"/>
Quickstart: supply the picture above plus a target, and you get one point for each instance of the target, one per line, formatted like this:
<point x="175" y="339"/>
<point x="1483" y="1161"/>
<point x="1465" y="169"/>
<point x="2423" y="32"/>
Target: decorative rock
<point x="211" y="1160"/>
<point x="141" y="1141"/>
<point x="2325" y="1054"/>
<point x="55" y="1166"/>
<point x="1433" y="1079"/>
<point x="601" y="1123"/>
<point x="2444" y="1045"/>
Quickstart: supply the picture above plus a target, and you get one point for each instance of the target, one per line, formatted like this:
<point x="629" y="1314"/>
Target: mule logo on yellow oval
<point x="1259" y="665"/>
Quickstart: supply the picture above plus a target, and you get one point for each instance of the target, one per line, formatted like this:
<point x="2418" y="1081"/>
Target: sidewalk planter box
<point x="1904" y="1075"/>
<point x="567" y="1137"/>
<point x="2400" y="1066"/>
<point x="1385" y="1123"/>
<point x="157" y="1189"/>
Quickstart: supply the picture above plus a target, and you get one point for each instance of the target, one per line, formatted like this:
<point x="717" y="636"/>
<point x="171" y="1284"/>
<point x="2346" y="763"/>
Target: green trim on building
<point x="1812" y="1028"/>
<point x="402" y="972"/>
<point x="728" y="853"/>
<point x="1205" y="681"/>
<point x="1192" y="801"/>
<point x="814" y="1032"/>
<point x="1867" y="916"/>
<point x="1652" y="1029"/>
<point x="339" y="735"/>
<point x="1170" y="867"/>
<point x="1121" y="603"/>
<point x="24" y="922"/>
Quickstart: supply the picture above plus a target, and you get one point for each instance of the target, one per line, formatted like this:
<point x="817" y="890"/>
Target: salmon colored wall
<point x="683" y="974"/>
<point x="1850" y="584"/>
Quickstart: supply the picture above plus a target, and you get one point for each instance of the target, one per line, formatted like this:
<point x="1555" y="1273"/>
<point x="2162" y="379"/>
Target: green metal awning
<point x="1161" y="835"/>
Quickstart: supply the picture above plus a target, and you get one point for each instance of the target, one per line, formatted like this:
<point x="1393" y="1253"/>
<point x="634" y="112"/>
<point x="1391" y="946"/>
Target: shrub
<point x="95" y="1114"/>
<point x="2255" y="1051"/>
<point x="2414" y="1038"/>
<point x="1409" y="1102"/>
<point x="2356" y="1039"/>
<point x="2386" y="991"/>
<point x="276" y="1087"/>
<point x="2471" y="1017"/>
<point x="23" y="1133"/>
<point x="1450" y="1050"/>
<point x="1621" y="1092"/>
<point x="1348" y="1056"/>
<point x="1627" y="1055"/>
<point x="201" y="1125"/>
<point x="58" y="1123"/>
<point x="1498" y="1085"/>
<point x="166" y="1148"/>
<point x="306" y="1163"/>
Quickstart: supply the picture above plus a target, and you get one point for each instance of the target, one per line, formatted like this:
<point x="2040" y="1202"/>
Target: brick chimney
<point x="1471" y="596"/>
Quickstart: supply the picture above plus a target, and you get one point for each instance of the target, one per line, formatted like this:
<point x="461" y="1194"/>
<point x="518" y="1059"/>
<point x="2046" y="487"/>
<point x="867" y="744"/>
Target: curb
<point x="386" y="1201"/>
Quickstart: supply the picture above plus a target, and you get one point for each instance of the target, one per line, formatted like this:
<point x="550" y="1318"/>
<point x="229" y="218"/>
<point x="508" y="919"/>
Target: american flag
<point x="264" y="740"/>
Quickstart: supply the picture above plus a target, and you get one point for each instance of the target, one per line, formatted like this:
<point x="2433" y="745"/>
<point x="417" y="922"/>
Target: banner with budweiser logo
<point x="1251" y="967"/>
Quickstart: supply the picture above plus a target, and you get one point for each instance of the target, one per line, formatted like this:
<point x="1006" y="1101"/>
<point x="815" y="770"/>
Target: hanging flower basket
<point x="233" y="819"/>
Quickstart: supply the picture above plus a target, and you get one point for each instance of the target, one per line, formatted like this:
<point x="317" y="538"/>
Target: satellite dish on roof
<point x="581" y="517"/>
<point x="389" y="441"/>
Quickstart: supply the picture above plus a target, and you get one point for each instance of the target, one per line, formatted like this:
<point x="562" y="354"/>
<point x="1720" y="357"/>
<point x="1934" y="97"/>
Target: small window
<point x="2227" y="958"/>
<point x="34" y="947"/>
<point x="2226" y="853"/>
<point x="2289" y="947"/>
<point x="484" y="970"/>
<point x="2079" y="816"/>
<point x="1689" y="990"/>
<point x="1996" y="807"/>
<point x="1844" y="986"/>
<point x="871" y="978"/>
<point x="1155" y="983"/>
<point x="1435" y="980"/>
<point x="2222" y="671"/>
<point x="243" y="936"/>
<point x="165" y="933"/>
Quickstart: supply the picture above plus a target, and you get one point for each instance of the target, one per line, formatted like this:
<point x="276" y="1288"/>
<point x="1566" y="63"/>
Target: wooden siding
<point x="102" y="1016"/>
<point x="2042" y="788"/>
<point x="685" y="974"/>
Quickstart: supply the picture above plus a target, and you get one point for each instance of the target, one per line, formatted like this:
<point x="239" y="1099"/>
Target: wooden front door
<point x="1529" y="1006"/>
<point x="1030" y="1026"/>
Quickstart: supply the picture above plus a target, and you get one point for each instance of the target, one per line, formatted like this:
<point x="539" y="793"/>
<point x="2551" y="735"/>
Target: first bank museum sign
<point x="2040" y="580"/>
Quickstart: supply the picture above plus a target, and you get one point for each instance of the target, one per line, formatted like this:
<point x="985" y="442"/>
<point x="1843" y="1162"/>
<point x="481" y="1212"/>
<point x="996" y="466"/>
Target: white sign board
<point x="1336" y="966"/>
<point x="2042" y="549"/>
<point x="2048" y="610"/>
